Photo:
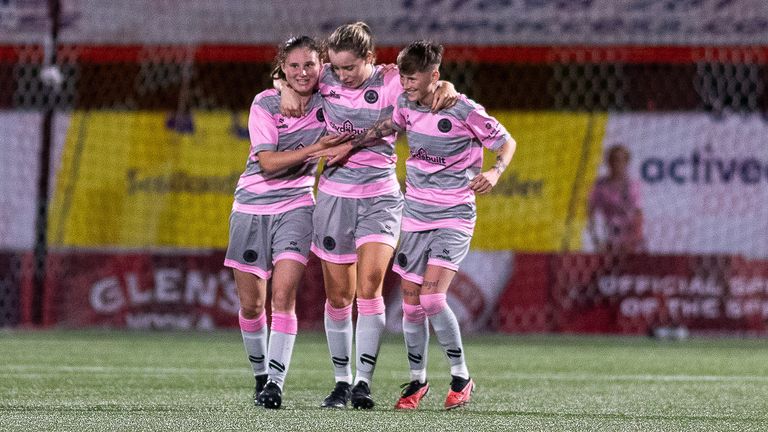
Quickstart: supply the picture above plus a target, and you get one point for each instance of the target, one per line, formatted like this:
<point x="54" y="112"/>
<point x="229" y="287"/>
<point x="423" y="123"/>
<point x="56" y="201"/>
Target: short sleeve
<point x="398" y="116"/>
<point x="393" y="88"/>
<point x="487" y="129"/>
<point x="262" y="130"/>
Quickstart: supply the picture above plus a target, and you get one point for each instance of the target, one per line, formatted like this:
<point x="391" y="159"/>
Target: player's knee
<point x="251" y="310"/>
<point x="283" y="302"/>
<point x="340" y="301"/>
<point x="371" y="284"/>
<point x="413" y="313"/>
<point x="433" y="303"/>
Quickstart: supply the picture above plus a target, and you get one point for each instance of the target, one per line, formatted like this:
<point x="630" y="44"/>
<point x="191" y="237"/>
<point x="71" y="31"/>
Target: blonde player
<point x="359" y="207"/>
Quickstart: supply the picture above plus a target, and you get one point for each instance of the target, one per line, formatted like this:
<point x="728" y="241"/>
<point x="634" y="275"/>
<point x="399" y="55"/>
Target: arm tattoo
<point x="382" y="128"/>
<point x="379" y="130"/>
<point x="499" y="166"/>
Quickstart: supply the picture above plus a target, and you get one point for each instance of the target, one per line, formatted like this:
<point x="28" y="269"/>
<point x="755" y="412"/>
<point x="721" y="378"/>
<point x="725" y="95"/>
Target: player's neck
<point x="369" y="69"/>
<point x="305" y="98"/>
<point x="426" y="101"/>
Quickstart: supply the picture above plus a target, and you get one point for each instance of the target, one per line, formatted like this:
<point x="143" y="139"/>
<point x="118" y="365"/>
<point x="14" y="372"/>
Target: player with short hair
<point x="443" y="174"/>
<point x="270" y="226"/>
<point x="359" y="207"/>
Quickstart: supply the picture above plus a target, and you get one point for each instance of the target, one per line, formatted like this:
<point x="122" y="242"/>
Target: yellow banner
<point x="539" y="204"/>
<point x="143" y="179"/>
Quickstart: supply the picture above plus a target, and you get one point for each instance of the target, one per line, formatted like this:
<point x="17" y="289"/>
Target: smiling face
<point x="420" y="86"/>
<point x="351" y="70"/>
<point x="302" y="68"/>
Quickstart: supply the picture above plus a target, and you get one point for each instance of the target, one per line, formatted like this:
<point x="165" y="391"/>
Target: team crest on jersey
<point x="493" y="129"/>
<point x="444" y="125"/>
<point x="320" y="116"/>
<point x="371" y="96"/>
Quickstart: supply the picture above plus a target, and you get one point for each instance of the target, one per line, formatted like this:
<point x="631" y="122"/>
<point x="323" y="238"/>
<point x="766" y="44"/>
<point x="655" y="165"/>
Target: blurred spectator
<point x="615" y="217"/>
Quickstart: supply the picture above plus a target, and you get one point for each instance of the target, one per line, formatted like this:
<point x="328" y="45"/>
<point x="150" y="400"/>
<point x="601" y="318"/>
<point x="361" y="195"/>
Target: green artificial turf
<point x="134" y="381"/>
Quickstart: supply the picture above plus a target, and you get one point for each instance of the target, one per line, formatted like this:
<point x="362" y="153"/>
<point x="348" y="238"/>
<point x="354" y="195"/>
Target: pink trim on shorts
<point x="332" y="258"/>
<point x="410" y="277"/>
<point x="367" y="190"/>
<point x="414" y="313"/>
<point x="415" y="225"/>
<point x="374" y="306"/>
<point x="443" y="263"/>
<point x="284" y="323"/>
<point x="294" y="256"/>
<point x="252" y="325"/>
<point x="376" y="238"/>
<point x="340" y="314"/>
<point x="275" y="208"/>
<point x="433" y="303"/>
<point x="257" y="271"/>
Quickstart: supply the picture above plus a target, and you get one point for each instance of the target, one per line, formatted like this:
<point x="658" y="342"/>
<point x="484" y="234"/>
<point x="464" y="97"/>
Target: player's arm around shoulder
<point x="446" y="96"/>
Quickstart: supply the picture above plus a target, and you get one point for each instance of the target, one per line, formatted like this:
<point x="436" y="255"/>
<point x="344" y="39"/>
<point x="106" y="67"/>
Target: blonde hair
<point x="356" y="38"/>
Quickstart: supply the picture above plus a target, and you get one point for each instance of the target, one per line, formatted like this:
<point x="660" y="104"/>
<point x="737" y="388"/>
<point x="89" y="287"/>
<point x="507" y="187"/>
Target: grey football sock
<point x="339" y="336"/>
<point x="448" y="334"/>
<point x="280" y="351"/>
<point x="256" y="349"/>
<point x="416" y="342"/>
<point x="367" y="342"/>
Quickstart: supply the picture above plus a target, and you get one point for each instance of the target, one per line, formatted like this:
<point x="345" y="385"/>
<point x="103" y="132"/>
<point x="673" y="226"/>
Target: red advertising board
<point x="159" y="291"/>
<point x="562" y="293"/>
<point x="635" y="294"/>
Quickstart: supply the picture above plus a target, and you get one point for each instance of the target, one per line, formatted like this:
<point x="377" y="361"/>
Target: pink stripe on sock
<point x="284" y="323"/>
<point x="414" y="313"/>
<point x="252" y="325"/>
<point x="433" y="303"/>
<point x="340" y="314"/>
<point x="372" y="306"/>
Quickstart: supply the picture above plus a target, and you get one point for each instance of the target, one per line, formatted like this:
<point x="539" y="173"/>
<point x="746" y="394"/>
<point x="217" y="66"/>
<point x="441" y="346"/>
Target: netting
<point x="149" y="103"/>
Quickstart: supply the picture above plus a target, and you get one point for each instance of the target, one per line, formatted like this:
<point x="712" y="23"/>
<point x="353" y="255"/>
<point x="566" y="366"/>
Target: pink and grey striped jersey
<point x="260" y="193"/>
<point x="368" y="171"/>
<point x="446" y="152"/>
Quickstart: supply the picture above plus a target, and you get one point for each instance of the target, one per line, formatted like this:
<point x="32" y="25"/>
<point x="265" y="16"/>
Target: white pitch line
<point x="16" y="370"/>
<point x="626" y="377"/>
